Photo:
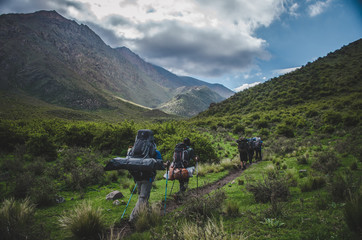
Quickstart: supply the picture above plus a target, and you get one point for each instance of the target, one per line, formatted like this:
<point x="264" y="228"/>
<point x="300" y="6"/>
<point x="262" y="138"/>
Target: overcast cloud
<point x="209" y="39"/>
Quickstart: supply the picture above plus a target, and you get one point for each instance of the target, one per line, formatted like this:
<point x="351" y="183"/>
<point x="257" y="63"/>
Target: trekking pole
<point x="197" y="176"/>
<point x="166" y="187"/>
<point x="172" y="186"/>
<point x="129" y="201"/>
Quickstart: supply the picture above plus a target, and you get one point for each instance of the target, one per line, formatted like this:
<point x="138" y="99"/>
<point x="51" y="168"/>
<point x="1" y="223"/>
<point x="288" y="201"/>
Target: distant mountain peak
<point x="62" y="62"/>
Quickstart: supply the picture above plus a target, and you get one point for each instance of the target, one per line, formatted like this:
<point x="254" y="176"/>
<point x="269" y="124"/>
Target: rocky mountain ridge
<point x="61" y="62"/>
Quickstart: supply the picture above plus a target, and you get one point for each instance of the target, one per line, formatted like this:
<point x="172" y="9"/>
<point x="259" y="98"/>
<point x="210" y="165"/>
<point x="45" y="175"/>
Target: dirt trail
<point x="125" y="229"/>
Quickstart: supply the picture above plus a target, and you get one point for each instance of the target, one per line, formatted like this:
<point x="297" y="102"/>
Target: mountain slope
<point x="336" y="77"/>
<point x="65" y="63"/>
<point x="56" y="60"/>
<point x="192" y="101"/>
<point x="168" y="79"/>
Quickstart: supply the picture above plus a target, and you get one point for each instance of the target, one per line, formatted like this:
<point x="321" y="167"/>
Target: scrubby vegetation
<point x="308" y="185"/>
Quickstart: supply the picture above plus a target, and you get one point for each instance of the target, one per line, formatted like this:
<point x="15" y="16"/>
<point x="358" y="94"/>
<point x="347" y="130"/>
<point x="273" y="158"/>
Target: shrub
<point x="327" y="128"/>
<point x="84" y="222"/>
<point x="17" y="220"/>
<point x="291" y="176"/>
<point x="342" y="185"/>
<point x="232" y="208"/>
<point x="41" y="145"/>
<point x="272" y="223"/>
<point x="202" y="207"/>
<point x="239" y="129"/>
<point x="43" y="191"/>
<point x="303" y="159"/>
<point x="24" y="182"/>
<point x="353" y="214"/>
<point x="312" y="183"/>
<point x="229" y="164"/>
<point x="326" y="162"/>
<point x="282" y="146"/>
<point x="321" y="202"/>
<point x="211" y="229"/>
<point x="285" y="130"/>
<point x="270" y="187"/>
<point x="79" y="168"/>
<point x="332" y="117"/>
<point x="354" y="166"/>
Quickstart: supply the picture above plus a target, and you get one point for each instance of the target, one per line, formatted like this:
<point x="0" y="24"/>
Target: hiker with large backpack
<point x="144" y="147"/>
<point x="251" y="149"/>
<point x="257" y="146"/>
<point x="183" y="154"/>
<point x="243" y="148"/>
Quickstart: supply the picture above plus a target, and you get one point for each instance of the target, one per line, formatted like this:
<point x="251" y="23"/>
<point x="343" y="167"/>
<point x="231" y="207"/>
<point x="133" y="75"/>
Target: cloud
<point x="293" y="9"/>
<point x="203" y="51"/>
<point x="285" y="70"/>
<point x="246" y="86"/>
<point x="318" y="7"/>
<point x="205" y="38"/>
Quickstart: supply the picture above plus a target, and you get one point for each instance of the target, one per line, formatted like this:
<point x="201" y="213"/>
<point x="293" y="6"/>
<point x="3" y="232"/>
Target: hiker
<point x="129" y="149"/>
<point x="251" y="149"/>
<point x="243" y="148"/>
<point x="257" y="146"/>
<point x="183" y="154"/>
<point x="147" y="147"/>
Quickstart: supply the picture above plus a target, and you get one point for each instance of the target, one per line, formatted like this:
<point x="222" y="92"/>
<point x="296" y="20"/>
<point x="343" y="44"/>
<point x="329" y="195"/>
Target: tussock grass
<point x="230" y="163"/>
<point x="148" y="217"/>
<point x="212" y="229"/>
<point x="232" y="209"/>
<point x="16" y="219"/>
<point x="84" y="221"/>
<point x="206" y="168"/>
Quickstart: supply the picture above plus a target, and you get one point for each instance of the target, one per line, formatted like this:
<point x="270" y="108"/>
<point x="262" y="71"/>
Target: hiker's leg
<point x="261" y="158"/>
<point x="182" y="185"/>
<point x="144" y="190"/>
<point x="244" y="159"/>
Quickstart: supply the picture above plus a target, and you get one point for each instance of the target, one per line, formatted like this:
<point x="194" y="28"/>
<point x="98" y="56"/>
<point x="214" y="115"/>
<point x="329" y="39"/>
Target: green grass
<point x="112" y="214"/>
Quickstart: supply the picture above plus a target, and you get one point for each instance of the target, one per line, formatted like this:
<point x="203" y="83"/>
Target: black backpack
<point x="243" y="145"/>
<point x="144" y="146"/>
<point x="257" y="144"/>
<point x="181" y="155"/>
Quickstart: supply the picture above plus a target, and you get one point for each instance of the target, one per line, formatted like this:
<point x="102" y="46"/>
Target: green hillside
<point x="307" y="186"/>
<point x="334" y="80"/>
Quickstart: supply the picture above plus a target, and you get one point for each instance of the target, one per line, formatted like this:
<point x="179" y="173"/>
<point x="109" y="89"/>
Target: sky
<point x="237" y="43"/>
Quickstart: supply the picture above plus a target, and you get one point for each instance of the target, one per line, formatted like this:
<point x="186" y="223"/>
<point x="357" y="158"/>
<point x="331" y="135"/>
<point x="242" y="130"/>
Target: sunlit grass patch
<point x="84" y="221"/>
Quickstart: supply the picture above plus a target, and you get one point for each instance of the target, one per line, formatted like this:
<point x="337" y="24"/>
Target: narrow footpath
<point x="125" y="229"/>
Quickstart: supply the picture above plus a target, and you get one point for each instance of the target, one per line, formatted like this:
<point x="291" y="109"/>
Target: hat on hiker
<point x="187" y="141"/>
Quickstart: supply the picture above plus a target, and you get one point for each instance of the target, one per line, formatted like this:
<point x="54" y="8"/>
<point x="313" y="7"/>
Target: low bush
<point x="84" y="222"/>
<point x="285" y="130"/>
<point x="312" y="183"/>
<point x="303" y="159"/>
<point x="211" y="229"/>
<point x="43" y="191"/>
<point x="353" y="166"/>
<point x="41" y="145"/>
<point x="229" y="164"/>
<point x="353" y="214"/>
<point x="342" y="185"/>
<point x="326" y="162"/>
<point x="275" y="187"/>
<point x="203" y="207"/>
<point x="17" y="220"/>
<point x="232" y="209"/>
<point x="321" y="202"/>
